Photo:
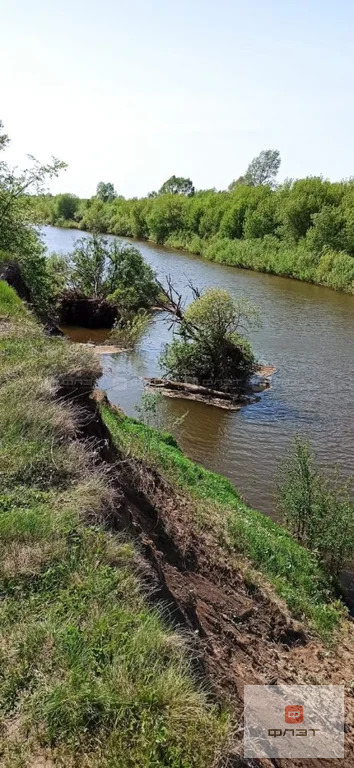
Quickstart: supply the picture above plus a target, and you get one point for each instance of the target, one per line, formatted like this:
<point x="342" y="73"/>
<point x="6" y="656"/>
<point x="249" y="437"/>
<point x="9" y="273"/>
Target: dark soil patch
<point x="11" y="272"/>
<point x="88" y="313"/>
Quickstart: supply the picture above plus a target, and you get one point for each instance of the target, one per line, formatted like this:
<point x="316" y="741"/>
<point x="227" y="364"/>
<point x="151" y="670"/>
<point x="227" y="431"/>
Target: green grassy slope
<point x="89" y="673"/>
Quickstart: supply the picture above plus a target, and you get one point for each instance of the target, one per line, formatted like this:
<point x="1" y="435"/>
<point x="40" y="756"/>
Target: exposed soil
<point x="239" y="632"/>
<point x="107" y="349"/>
<point x="75" y="309"/>
<point x="11" y="272"/>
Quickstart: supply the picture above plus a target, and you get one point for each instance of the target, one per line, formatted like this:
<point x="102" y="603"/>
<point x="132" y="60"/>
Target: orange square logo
<point x="294" y="713"/>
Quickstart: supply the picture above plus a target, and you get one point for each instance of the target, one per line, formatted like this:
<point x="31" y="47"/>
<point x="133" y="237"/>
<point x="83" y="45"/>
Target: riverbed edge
<point x="291" y="570"/>
<point x="334" y="265"/>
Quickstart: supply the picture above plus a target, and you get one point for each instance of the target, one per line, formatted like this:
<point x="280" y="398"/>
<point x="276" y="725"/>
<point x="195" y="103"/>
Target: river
<point x="307" y="333"/>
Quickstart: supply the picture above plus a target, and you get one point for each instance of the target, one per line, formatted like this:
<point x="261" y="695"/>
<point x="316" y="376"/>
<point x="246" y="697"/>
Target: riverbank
<point x="291" y="569"/>
<point x="330" y="269"/>
<point x="302" y="229"/>
<point x="77" y="615"/>
<point x="91" y="675"/>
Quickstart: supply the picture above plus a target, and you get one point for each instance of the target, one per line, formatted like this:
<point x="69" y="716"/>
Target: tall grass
<point x="330" y="269"/>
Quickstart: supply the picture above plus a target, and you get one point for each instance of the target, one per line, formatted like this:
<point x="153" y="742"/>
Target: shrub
<point x="113" y="270"/>
<point x="65" y="207"/>
<point x="318" y="513"/>
<point x="208" y="346"/>
<point x="132" y="281"/>
<point x="128" y="330"/>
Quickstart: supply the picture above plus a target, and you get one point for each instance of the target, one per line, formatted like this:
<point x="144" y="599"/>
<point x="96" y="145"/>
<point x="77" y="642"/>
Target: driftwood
<point x="229" y="401"/>
<point x="184" y="391"/>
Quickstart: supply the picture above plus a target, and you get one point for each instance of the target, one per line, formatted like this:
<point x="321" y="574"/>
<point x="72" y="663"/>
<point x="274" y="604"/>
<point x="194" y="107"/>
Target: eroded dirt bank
<point x="95" y="313"/>
<point x="239" y="632"/>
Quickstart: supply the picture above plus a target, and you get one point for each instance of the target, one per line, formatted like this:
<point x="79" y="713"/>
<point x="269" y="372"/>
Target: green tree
<point x="138" y="223"/>
<point x="261" y="217"/>
<point x="177" y="185"/>
<point x="113" y="270"/>
<point x="65" y="206"/>
<point x="263" y="169"/>
<point x="243" y="202"/>
<point x="165" y="216"/>
<point x="94" y="216"/>
<point x="4" y="139"/>
<point x="208" y="346"/>
<point x="88" y="260"/>
<point x="214" y="206"/>
<point x="236" y="183"/>
<point x="298" y="203"/>
<point x="328" y="229"/>
<point x="105" y="191"/>
<point x="18" y="236"/>
<point x="131" y="281"/>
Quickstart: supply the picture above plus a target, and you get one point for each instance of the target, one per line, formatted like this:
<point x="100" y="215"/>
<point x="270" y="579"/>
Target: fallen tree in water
<point x="186" y="391"/>
<point x="183" y="390"/>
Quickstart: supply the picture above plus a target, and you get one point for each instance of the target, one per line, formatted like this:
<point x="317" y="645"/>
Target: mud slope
<point x="240" y="633"/>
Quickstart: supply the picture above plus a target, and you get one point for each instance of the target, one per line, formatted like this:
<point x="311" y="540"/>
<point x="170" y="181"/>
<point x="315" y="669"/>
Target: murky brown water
<point x="85" y="335"/>
<point x="307" y="333"/>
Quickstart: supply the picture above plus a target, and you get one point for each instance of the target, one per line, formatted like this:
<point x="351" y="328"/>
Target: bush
<point x="58" y="271"/>
<point x="208" y="346"/>
<point x="112" y="270"/>
<point x="319" y="514"/>
<point x="128" y="330"/>
<point x="132" y="281"/>
<point x="65" y="207"/>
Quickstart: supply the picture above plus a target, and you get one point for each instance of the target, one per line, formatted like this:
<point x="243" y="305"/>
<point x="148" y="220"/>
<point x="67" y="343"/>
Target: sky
<point x="131" y="91"/>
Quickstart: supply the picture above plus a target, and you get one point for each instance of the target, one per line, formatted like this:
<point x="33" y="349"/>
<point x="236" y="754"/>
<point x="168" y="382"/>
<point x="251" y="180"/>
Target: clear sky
<point x="132" y="91"/>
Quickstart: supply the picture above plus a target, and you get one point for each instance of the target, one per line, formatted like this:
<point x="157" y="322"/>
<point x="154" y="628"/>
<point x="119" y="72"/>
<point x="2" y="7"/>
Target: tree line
<point x="301" y="228"/>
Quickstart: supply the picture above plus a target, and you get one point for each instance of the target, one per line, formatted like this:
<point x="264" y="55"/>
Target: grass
<point x="90" y="674"/>
<point x="291" y="569"/>
<point x="332" y="269"/>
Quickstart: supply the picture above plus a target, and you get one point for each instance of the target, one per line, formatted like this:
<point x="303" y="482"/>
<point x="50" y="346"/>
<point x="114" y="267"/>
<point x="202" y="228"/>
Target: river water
<point x="307" y="333"/>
